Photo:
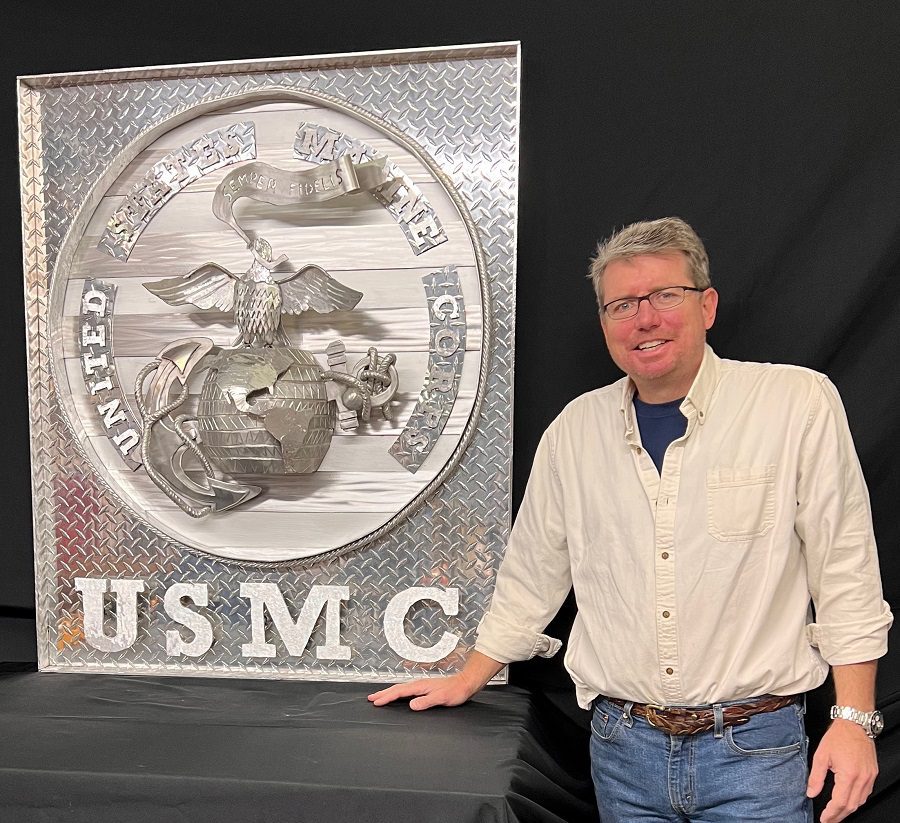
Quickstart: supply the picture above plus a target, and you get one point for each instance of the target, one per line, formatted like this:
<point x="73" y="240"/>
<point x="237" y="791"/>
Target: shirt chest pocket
<point x="740" y="502"/>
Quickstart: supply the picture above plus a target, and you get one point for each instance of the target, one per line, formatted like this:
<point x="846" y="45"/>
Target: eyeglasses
<point x="664" y="299"/>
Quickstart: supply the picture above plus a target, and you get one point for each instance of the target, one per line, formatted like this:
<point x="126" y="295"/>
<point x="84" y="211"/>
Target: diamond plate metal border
<point x="468" y="125"/>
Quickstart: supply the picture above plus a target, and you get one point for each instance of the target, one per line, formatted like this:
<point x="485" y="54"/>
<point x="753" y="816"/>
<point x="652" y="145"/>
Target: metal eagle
<point x="257" y="298"/>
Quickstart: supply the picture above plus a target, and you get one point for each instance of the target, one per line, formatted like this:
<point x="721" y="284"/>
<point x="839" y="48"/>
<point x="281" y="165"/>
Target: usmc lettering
<point x="192" y="634"/>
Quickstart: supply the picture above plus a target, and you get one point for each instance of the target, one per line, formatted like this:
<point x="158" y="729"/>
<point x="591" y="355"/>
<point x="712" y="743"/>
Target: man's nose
<point x="647" y="317"/>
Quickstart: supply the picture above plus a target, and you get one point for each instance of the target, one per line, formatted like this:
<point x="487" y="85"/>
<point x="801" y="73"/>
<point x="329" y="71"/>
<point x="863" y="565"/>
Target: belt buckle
<point x="651" y="714"/>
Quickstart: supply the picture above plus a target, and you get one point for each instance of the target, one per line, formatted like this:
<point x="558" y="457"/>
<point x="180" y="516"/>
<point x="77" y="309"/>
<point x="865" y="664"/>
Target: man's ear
<point x="709" y="302"/>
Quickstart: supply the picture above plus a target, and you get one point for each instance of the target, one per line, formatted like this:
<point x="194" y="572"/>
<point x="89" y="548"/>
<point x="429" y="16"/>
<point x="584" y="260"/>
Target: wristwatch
<point x="872" y="722"/>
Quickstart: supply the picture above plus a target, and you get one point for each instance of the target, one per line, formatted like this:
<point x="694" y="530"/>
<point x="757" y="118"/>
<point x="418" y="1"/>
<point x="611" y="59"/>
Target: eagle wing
<point x="314" y="288"/>
<point x="208" y="287"/>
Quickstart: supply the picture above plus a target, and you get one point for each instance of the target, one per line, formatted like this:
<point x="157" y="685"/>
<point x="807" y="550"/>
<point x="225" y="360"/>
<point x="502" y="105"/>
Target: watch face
<point x="877" y="723"/>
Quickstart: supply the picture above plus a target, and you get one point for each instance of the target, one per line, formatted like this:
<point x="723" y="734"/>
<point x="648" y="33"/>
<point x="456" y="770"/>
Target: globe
<point x="238" y="442"/>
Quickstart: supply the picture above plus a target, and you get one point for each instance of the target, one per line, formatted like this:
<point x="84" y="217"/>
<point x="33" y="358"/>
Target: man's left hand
<point x="849" y="753"/>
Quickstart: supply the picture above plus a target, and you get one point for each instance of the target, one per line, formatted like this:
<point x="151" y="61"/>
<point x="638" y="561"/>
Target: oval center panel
<point x="268" y="326"/>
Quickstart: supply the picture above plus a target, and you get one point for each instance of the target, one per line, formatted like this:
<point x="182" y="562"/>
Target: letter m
<point x="295" y="635"/>
<point x="316" y="142"/>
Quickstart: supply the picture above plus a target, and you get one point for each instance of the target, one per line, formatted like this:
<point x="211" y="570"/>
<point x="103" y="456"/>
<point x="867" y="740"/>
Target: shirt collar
<point x="695" y="404"/>
<point x="701" y="393"/>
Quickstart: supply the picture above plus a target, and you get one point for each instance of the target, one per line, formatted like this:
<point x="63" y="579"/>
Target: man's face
<point x="660" y="351"/>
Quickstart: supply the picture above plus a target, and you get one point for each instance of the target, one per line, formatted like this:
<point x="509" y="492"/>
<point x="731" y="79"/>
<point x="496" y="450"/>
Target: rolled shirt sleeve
<point x="834" y="523"/>
<point x="534" y="577"/>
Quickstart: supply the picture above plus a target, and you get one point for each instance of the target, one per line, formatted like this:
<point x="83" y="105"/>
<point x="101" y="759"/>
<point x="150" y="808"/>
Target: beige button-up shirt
<point x="696" y="585"/>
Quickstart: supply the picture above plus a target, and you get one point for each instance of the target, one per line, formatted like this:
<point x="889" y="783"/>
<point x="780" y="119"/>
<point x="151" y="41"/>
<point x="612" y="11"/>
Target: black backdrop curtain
<point x="771" y="127"/>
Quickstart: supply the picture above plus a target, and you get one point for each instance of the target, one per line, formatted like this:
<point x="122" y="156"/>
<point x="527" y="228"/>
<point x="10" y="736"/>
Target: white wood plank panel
<point x="397" y="330"/>
<point x="346" y="454"/>
<point x="192" y="208"/>
<point x="196" y="203"/>
<point x="336" y="492"/>
<point x="280" y="536"/>
<point x="401" y="408"/>
<point x="410" y="370"/>
<point x="381" y="288"/>
<point x="192" y="238"/>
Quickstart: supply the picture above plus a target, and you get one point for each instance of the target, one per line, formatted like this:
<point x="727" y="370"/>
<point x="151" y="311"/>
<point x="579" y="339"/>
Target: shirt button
<point x="665" y="555"/>
<point x="666" y="614"/>
<point x="670" y="670"/>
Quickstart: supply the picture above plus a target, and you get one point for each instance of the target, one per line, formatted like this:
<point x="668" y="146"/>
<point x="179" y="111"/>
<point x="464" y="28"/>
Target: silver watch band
<point x="871" y="722"/>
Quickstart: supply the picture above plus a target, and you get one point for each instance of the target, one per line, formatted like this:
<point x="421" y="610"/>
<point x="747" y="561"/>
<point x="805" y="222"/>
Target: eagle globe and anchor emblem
<point x="266" y="407"/>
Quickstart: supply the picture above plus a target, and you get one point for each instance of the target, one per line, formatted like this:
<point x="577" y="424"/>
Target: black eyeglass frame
<point x="641" y="298"/>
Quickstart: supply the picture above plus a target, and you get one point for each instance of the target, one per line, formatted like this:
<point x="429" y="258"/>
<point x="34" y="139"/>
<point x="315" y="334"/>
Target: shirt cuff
<point x="507" y="642"/>
<point x="844" y="643"/>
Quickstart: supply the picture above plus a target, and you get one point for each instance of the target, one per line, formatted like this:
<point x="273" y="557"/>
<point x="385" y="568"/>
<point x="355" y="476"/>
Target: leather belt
<point x="695" y="719"/>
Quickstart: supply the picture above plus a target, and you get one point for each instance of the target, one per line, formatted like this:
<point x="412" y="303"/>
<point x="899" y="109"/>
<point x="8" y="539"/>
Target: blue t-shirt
<point x="659" y="424"/>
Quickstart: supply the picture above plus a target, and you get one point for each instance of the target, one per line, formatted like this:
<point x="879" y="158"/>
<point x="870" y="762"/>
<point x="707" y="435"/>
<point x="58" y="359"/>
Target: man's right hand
<point x="432" y="691"/>
<point x="442" y="691"/>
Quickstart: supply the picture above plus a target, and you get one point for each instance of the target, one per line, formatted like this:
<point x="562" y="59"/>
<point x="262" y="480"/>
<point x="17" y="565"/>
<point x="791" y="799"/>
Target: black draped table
<point x="109" y="748"/>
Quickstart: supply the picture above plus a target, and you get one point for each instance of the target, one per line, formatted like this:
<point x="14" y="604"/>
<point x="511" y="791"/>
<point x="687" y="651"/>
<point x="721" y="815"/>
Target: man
<point x="699" y="507"/>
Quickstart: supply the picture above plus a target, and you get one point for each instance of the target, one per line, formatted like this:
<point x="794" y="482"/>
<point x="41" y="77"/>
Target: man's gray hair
<point x="669" y="234"/>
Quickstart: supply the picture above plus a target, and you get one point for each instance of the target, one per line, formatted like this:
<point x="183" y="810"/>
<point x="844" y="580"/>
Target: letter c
<point x="395" y="616"/>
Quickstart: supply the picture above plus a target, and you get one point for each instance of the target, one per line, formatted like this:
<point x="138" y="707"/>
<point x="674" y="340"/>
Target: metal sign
<point x="270" y="335"/>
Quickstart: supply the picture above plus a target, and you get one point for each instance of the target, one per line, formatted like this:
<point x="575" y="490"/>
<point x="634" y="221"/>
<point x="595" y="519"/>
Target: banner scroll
<point x="260" y="181"/>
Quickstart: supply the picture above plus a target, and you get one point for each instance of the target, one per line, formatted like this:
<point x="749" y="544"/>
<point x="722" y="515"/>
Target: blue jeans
<point x="752" y="772"/>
